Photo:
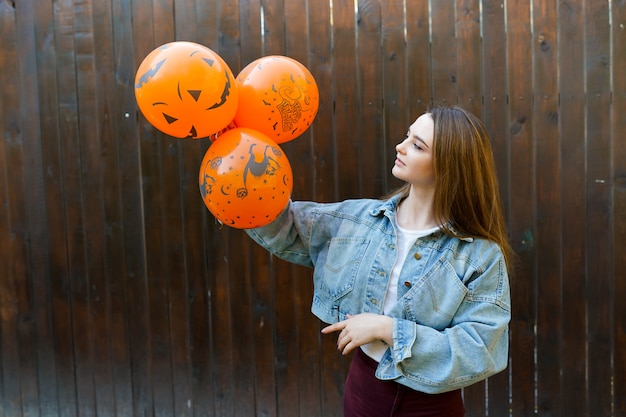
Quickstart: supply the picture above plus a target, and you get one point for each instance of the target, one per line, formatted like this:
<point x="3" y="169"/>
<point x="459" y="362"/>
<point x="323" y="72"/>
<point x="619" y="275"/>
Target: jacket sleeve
<point x="474" y="347"/>
<point x="288" y="235"/>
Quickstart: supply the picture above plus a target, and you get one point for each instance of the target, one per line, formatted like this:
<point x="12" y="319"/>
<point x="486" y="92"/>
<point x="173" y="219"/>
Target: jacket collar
<point x="388" y="208"/>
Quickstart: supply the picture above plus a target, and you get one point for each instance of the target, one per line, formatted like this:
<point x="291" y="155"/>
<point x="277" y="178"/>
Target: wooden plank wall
<point x="121" y="296"/>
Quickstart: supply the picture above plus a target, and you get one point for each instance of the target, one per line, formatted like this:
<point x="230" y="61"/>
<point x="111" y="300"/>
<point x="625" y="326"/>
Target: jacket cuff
<point x="404" y="336"/>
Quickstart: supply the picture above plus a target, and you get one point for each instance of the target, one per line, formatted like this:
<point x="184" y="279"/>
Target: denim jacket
<point x="450" y="324"/>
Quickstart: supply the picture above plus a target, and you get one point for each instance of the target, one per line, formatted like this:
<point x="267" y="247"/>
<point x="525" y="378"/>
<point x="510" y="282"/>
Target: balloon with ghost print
<point x="245" y="179"/>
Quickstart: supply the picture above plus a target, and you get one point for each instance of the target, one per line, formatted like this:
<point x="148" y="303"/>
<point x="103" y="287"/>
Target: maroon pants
<point x="367" y="396"/>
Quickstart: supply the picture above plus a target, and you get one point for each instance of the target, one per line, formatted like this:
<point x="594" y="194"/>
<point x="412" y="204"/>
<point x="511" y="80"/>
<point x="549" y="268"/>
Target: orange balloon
<point x="278" y="96"/>
<point x="186" y="90"/>
<point x="245" y="179"/>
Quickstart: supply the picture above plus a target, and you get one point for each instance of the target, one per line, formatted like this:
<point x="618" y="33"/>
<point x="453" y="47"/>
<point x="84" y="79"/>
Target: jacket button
<point x="407" y="284"/>
<point x="417" y="256"/>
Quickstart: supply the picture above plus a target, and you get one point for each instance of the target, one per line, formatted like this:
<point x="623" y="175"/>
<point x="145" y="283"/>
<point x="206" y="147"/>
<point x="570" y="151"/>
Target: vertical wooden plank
<point x="243" y="365"/>
<point x="187" y="241"/>
<point x="345" y="98"/>
<point x="262" y="275"/>
<point x="225" y="321"/>
<point x="212" y="395"/>
<point x="156" y="164"/>
<point x="65" y="290"/>
<point x="11" y="194"/>
<point x="262" y="272"/>
<point x="522" y="206"/>
<point x="250" y="28"/>
<point x="185" y="24"/>
<point x="373" y="172"/>
<point x="325" y="170"/>
<point x="139" y="291"/>
<point x="229" y="46"/>
<point x="31" y="280"/>
<point x="88" y="22"/>
<point x="210" y="341"/>
<point x="262" y="319"/>
<point x="224" y="39"/>
<point x="179" y="290"/>
<point x="469" y="96"/>
<point x="394" y="82"/>
<point x="90" y="290"/>
<point x="273" y="27"/>
<point x="59" y="280"/>
<point x="468" y="56"/>
<point x="307" y="325"/>
<point x="168" y="299"/>
<point x="36" y="216"/>
<point x="242" y="333"/>
<point x="264" y="287"/>
<point x="619" y="201"/>
<point x="548" y="242"/>
<point x="160" y="170"/>
<point x="252" y="278"/>
<point x="571" y="124"/>
<point x="55" y="243"/>
<point x="308" y="344"/>
<point x="598" y="221"/>
<point x="332" y="366"/>
<point x="286" y="336"/>
<point x="202" y="250"/>
<point x="207" y="23"/>
<point x="494" y="83"/>
<point x="418" y="69"/>
<point x="443" y="52"/>
<point x="228" y="321"/>
<point x="496" y="121"/>
<point x="222" y="324"/>
<point x="7" y="290"/>
<point x="297" y="330"/>
<point x="116" y="102"/>
<point x="132" y="397"/>
<point x="111" y="342"/>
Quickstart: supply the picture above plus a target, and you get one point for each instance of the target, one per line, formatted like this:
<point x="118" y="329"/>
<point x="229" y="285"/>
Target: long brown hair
<point x="467" y="200"/>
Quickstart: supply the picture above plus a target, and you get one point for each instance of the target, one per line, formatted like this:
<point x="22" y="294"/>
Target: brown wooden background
<point x="120" y="296"/>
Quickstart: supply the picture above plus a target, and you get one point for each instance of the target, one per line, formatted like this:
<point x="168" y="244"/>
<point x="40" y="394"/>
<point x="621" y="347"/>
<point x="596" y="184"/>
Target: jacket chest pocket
<point x="337" y="277"/>
<point x="434" y="299"/>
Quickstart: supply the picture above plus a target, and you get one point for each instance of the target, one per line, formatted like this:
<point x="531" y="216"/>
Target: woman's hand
<point x="361" y="329"/>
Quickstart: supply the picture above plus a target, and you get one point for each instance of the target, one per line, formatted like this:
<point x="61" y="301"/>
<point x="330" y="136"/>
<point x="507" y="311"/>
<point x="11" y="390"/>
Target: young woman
<point x="416" y="284"/>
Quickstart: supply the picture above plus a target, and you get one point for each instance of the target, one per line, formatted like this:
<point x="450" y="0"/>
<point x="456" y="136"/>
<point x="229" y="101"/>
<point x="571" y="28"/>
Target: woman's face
<point x="414" y="155"/>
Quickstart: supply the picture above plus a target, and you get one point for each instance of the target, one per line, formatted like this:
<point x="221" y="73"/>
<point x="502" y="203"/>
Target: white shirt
<point x="406" y="239"/>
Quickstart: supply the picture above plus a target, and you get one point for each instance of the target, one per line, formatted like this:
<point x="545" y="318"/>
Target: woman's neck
<point x="415" y="212"/>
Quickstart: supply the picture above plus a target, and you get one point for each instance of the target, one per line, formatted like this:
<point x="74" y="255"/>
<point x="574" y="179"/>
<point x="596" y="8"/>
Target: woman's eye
<point x="417" y="146"/>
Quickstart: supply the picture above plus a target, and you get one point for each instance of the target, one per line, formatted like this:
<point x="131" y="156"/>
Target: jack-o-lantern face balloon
<point x="245" y="179"/>
<point x="278" y="96"/>
<point x="186" y="90"/>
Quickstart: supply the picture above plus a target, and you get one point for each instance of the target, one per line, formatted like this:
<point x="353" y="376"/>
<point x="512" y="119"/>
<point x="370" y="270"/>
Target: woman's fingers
<point x="333" y="328"/>
<point x="346" y="342"/>
<point x="343" y="339"/>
